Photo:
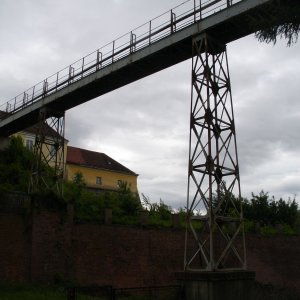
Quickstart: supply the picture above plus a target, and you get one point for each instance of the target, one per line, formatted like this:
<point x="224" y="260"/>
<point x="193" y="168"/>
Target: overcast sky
<point x="145" y="125"/>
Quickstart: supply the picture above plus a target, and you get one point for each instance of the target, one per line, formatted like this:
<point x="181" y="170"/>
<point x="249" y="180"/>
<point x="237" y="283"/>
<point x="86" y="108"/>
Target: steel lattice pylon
<point x="215" y="235"/>
<point x="49" y="150"/>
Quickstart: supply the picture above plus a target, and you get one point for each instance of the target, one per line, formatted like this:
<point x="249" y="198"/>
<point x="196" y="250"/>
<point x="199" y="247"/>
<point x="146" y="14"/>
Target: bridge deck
<point x="160" y="48"/>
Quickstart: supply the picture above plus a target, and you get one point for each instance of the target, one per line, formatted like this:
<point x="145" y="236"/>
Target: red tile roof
<point x="96" y="160"/>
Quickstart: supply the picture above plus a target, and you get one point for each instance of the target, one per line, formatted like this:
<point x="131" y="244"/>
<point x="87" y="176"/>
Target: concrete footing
<point x="237" y="285"/>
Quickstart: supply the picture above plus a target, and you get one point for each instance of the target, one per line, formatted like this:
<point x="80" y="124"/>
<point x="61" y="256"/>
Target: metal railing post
<point x="113" y="52"/>
<point x="71" y="74"/>
<point x="24" y="99"/>
<point x="99" y="60"/>
<point x="32" y="93"/>
<point x="45" y="87"/>
<point x="132" y="42"/>
<point x="82" y="67"/>
<point x="150" y="29"/>
<point x="172" y="21"/>
<point x="56" y="84"/>
<point x="200" y="9"/>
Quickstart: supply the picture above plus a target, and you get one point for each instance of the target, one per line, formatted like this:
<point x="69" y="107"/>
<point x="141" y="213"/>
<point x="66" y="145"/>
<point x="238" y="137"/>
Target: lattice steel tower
<point x="215" y="235"/>
<point x="49" y="150"/>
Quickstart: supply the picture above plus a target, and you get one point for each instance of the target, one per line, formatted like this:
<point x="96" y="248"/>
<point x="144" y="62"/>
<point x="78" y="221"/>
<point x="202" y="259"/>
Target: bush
<point x="15" y="166"/>
<point x="269" y="212"/>
<point x="287" y="230"/>
<point x="160" y="214"/>
<point x="90" y="206"/>
<point x="268" y="231"/>
<point x="13" y="291"/>
<point x="249" y="226"/>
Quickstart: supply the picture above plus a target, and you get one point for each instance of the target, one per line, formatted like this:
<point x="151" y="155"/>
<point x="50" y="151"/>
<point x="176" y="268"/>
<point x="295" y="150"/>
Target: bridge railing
<point x="181" y="16"/>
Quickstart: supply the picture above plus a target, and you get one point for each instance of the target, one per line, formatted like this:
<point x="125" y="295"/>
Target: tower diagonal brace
<point x="215" y="238"/>
<point x="49" y="152"/>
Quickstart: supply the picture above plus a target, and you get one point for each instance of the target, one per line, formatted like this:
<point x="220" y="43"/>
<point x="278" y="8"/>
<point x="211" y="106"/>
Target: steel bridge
<point x="154" y="46"/>
<point x="195" y="29"/>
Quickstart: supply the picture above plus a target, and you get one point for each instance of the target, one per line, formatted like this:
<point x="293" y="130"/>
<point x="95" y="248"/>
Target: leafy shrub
<point x="160" y="214"/>
<point x="13" y="291"/>
<point x="15" y="166"/>
<point x="268" y="211"/>
<point x="268" y="231"/>
<point x="249" y="226"/>
<point x="287" y="230"/>
<point x="90" y="206"/>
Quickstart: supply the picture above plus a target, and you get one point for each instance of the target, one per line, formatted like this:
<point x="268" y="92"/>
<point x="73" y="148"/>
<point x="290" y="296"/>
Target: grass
<point x="11" y="291"/>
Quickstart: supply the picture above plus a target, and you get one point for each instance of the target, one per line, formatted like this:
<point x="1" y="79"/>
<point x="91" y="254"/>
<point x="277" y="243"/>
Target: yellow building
<point x="28" y="136"/>
<point x="100" y="172"/>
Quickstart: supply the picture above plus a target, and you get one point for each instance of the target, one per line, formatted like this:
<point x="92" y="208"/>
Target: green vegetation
<point x="25" y="291"/>
<point x="284" y="25"/>
<point x="10" y="291"/>
<point x="90" y="206"/>
<point x="262" y="214"/>
<point x="15" y="166"/>
<point x="159" y="214"/>
<point x="269" y="216"/>
<point x="16" y="163"/>
<point x="13" y="291"/>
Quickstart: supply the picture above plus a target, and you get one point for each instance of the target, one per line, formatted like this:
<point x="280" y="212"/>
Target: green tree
<point x="129" y="202"/>
<point x="267" y="211"/>
<point x="282" y="21"/>
<point x="160" y="213"/>
<point x="15" y="166"/>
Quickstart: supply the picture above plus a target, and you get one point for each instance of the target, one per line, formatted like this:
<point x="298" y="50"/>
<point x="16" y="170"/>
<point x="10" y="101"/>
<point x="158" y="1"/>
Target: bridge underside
<point x="227" y="25"/>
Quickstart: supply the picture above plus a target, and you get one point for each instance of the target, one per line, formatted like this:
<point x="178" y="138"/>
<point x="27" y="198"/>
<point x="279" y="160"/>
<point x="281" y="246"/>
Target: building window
<point x="52" y="152"/>
<point x="98" y="181"/>
<point x="29" y="144"/>
<point x="119" y="183"/>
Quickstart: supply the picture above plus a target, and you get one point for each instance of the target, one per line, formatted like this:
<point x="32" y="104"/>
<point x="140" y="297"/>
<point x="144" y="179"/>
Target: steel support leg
<point x="49" y="149"/>
<point x="215" y="235"/>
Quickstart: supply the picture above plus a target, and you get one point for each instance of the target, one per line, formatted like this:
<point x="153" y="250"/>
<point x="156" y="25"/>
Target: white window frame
<point x="52" y="152"/>
<point x="119" y="183"/>
<point x="29" y="144"/>
<point x="98" y="180"/>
